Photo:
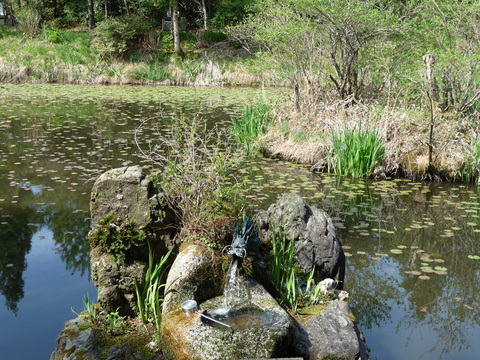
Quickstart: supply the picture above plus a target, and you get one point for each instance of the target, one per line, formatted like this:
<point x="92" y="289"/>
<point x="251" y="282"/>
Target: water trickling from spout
<point x="231" y="290"/>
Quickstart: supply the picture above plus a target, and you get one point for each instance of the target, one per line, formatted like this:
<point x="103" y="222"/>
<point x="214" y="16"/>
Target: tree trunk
<point x="127" y="7"/>
<point x="91" y="17"/>
<point x="106" y="9"/>
<point x="430" y="80"/>
<point x="176" y="32"/>
<point x="5" y="13"/>
<point x="204" y="9"/>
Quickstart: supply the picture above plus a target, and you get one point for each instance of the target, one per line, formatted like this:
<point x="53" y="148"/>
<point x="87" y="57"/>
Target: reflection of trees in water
<point x="437" y="303"/>
<point x="69" y="227"/>
<point x="373" y="288"/>
<point x="70" y="233"/>
<point x="16" y="242"/>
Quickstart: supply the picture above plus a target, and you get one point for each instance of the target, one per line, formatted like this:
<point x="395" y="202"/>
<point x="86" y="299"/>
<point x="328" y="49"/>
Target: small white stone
<point x="120" y="197"/>
<point x="327" y="286"/>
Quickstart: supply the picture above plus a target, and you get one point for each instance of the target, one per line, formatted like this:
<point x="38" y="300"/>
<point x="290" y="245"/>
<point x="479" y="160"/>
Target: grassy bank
<point x="404" y="134"/>
<point x="414" y="142"/>
<point x="65" y="56"/>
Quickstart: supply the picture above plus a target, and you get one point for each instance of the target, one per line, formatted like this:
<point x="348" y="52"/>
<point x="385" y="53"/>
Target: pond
<point x="413" y="250"/>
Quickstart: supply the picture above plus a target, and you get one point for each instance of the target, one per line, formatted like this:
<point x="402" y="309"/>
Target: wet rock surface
<point x="316" y="241"/>
<point x="193" y="337"/>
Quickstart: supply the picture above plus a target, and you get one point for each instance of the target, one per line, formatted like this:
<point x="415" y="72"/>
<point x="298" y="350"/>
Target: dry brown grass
<point x="404" y="132"/>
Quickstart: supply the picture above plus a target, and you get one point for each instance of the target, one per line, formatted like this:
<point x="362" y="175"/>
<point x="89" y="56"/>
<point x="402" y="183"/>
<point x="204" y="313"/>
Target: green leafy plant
<point x="215" y="36"/>
<point x="91" y="309"/>
<point x="117" y="236"/>
<point x="28" y="21"/>
<point x="54" y="35"/>
<point x="253" y="123"/>
<point x="355" y="153"/>
<point x="114" y="321"/>
<point x="148" y="298"/>
<point x="114" y="35"/>
<point x="472" y="159"/>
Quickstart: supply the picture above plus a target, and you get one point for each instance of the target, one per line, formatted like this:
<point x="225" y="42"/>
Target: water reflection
<point x="16" y="237"/>
<point x="52" y="151"/>
<point x="407" y="247"/>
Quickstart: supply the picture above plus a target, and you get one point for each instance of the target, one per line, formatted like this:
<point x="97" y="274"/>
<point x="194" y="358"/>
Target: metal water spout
<point x="242" y="239"/>
<point x="190" y="307"/>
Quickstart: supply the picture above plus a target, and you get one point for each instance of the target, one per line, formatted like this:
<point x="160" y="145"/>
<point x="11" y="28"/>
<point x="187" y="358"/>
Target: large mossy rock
<point x="332" y="334"/>
<point x="130" y="194"/>
<point x="80" y="340"/>
<point x="192" y="276"/>
<point x="115" y="282"/>
<point x="316" y="241"/>
<point x="131" y="200"/>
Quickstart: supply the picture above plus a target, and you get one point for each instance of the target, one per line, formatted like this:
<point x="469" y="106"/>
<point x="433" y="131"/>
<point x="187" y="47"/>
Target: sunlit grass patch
<point x="253" y="123"/>
<point x="355" y="152"/>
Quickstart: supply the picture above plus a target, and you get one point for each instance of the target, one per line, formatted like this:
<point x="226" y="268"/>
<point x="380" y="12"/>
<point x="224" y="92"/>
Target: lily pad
<point x="474" y="257"/>
<point x="396" y="251"/>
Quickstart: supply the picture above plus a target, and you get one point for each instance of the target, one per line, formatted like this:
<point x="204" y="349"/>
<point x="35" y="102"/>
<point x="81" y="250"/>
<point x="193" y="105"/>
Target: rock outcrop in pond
<point x="127" y="196"/>
<point x="261" y="327"/>
<point x="316" y="241"/>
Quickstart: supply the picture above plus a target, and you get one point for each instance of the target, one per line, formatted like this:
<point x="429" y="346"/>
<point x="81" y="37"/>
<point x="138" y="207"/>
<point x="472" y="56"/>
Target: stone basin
<point x="262" y="329"/>
<point x="242" y="319"/>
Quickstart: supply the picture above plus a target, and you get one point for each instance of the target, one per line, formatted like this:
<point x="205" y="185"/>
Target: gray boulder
<point x="316" y="241"/>
<point x="131" y="195"/>
<point x="331" y="335"/>
<point x="77" y="341"/>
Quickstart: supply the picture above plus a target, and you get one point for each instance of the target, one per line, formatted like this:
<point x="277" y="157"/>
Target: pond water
<point x="413" y="264"/>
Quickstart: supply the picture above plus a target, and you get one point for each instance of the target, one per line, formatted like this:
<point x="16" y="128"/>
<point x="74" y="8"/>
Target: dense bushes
<point x="113" y="36"/>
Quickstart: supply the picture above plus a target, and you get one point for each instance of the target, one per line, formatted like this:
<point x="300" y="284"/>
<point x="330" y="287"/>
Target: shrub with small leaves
<point x="113" y="36"/>
<point x="28" y="21"/>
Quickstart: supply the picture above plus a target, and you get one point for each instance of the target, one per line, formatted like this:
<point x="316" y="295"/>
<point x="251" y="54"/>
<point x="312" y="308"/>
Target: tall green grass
<point x="282" y="270"/>
<point x="254" y="121"/>
<point x="148" y="298"/>
<point x="355" y="152"/>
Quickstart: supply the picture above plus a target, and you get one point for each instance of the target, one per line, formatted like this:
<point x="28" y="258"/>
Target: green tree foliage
<point x="317" y="40"/>
<point x="361" y="48"/>
<point x="114" y="35"/>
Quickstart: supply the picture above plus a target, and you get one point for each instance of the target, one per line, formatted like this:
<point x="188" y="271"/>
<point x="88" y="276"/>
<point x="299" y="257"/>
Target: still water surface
<point x="412" y="270"/>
